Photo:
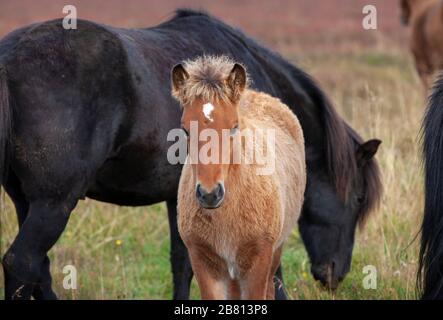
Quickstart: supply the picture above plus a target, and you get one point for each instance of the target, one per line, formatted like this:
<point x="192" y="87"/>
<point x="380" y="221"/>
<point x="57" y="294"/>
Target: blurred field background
<point x="123" y="253"/>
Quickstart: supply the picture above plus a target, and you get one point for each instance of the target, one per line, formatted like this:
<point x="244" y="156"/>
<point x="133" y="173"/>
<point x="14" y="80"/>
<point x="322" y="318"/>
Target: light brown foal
<point x="234" y="216"/>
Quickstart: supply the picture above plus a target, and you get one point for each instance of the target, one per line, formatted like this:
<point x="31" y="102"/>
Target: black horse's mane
<point x="183" y="13"/>
<point x="341" y="140"/>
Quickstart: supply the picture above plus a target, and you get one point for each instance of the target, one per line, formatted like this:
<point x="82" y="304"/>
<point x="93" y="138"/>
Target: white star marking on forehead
<point x="207" y="111"/>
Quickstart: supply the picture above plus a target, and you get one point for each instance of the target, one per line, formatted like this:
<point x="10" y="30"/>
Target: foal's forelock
<point x="207" y="78"/>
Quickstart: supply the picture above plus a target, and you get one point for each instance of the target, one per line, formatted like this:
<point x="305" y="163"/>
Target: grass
<point x="123" y="253"/>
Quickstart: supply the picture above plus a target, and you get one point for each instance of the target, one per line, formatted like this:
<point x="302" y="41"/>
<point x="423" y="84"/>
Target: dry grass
<point x="374" y="87"/>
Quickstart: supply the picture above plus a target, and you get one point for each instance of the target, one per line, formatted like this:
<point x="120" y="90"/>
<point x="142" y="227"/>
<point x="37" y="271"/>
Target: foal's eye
<point x="234" y="130"/>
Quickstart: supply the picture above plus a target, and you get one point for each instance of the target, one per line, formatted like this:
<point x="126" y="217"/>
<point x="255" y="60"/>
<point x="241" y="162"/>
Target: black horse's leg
<point x="25" y="259"/>
<point x="280" y="293"/>
<point x="181" y="266"/>
<point x="43" y="290"/>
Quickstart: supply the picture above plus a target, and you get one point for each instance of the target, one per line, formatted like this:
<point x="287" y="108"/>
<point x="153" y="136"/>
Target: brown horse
<point x="233" y="215"/>
<point x="426" y="20"/>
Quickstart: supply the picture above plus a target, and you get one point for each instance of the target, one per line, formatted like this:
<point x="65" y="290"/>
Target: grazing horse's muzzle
<point x="327" y="275"/>
<point x="212" y="199"/>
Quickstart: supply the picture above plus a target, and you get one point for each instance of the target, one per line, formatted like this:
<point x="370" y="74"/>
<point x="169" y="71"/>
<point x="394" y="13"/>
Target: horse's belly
<point x="136" y="180"/>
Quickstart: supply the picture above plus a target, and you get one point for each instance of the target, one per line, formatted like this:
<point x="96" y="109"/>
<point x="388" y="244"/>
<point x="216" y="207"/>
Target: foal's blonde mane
<point x="207" y="80"/>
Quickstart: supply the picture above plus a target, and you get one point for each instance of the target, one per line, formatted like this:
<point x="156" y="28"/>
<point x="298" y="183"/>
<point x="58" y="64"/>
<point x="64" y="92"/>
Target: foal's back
<point x="262" y="111"/>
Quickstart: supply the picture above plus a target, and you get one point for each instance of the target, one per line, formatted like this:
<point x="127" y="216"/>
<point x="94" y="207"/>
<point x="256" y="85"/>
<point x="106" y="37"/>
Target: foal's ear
<point x="179" y="75"/>
<point x="237" y="81"/>
<point x="366" y="151"/>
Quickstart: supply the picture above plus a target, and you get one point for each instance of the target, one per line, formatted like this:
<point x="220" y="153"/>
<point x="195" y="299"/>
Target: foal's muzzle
<point x="212" y="199"/>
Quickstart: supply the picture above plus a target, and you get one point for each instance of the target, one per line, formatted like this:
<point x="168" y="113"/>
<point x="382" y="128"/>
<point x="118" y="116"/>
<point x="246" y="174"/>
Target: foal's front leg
<point x="211" y="285"/>
<point x="276" y="257"/>
<point x="254" y="285"/>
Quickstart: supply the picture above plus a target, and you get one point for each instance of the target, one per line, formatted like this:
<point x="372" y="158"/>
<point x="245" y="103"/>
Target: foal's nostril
<point x="219" y="191"/>
<point x="199" y="192"/>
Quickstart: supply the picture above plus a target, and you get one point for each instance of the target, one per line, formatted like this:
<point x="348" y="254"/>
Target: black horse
<point x="430" y="274"/>
<point x="86" y="112"/>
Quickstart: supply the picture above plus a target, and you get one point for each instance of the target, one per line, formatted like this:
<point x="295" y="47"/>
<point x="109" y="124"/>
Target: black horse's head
<point x="336" y="202"/>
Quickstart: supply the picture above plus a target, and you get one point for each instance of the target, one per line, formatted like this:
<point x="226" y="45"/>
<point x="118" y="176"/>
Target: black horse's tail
<point x="430" y="272"/>
<point x="5" y="124"/>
